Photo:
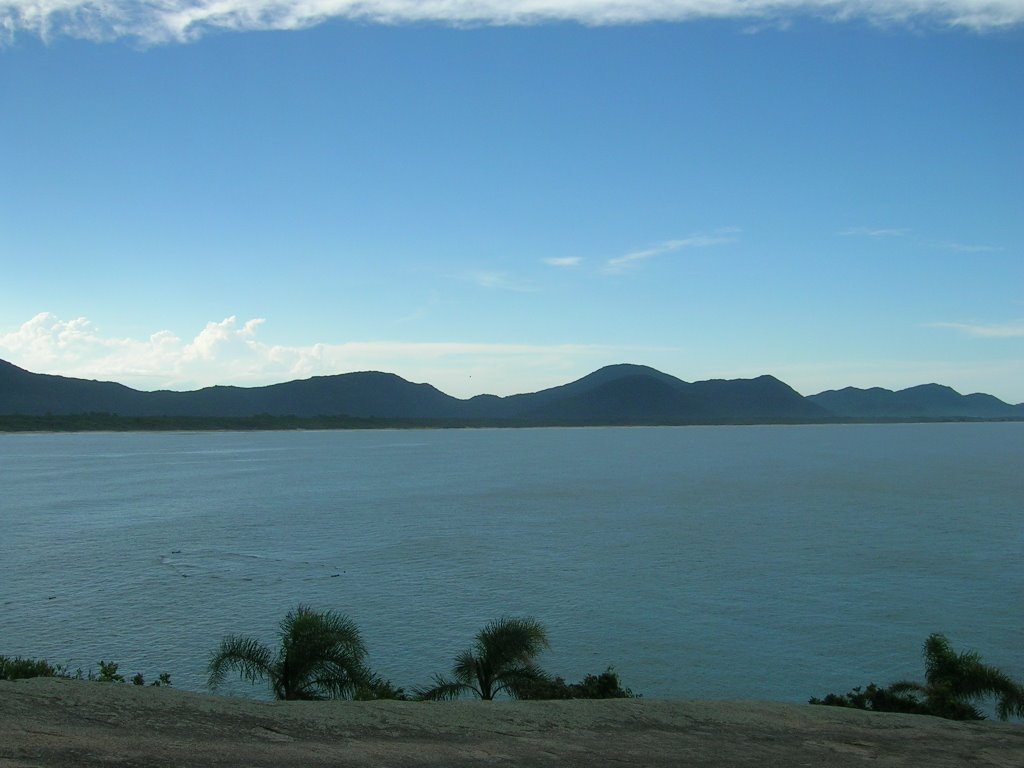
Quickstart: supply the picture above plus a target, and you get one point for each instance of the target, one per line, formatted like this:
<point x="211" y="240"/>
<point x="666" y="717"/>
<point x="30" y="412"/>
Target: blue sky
<point x="501" y="197"/>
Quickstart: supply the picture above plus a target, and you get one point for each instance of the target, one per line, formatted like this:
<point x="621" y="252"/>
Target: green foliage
<point x="108" y="673"/>
<point x="375" y="688"/>
<point x="164" y="679"/>
<point x="500" y="661"/>
<point x="603" y="686"/>
<point x="320" y="657"/>
<point x="954" y="686"/>
<point x="876" y="699"/>
<point x="20" y="669"/>
<point x="23" y="669"/>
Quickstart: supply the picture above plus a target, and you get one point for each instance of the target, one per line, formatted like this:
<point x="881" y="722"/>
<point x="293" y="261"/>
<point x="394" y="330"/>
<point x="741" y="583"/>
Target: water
<point x="706" y="562"/>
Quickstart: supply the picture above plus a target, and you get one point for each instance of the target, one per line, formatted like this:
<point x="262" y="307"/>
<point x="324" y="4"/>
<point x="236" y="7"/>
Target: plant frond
<point x="515" y="680"/>
<point x="503" y="652"/>
<point x="955" y="681"/>
<point x="443" y="690"/>
<point x="251" y="658"/>
<point x="322" y="654"/>
<point x="1011" y="703"/>
<point x="312" y="633"/>
<point x="330" y="680"/>
<point x="940" y="661"/>
<point x="907" y="687"/>
<point x="466" y="668"/>
<point x="373" y="687"/>
<point x="511" y="640"/>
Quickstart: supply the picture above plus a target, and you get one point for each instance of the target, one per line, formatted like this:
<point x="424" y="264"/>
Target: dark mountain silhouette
<point x="371" y="394"/>
<point x="927" y="401"/>
<point x="616" y="394"/>
<point x="637" y="394"/>
<point x="22" y="392"/>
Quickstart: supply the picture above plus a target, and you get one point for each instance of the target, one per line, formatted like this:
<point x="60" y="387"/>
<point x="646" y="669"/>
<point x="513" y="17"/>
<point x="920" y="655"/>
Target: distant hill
<point x="22" y="392"/>
<point x="614" y="395"/>
<point x="927" y="401"/>
<point x="631" y="394"/>
<point x="370" y="394"/>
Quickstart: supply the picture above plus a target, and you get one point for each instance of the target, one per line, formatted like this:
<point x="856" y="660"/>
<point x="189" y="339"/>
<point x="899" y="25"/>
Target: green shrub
<point x="108" y="673"/>
<point x="954" y="686"/>
<point x="164" y="679"/>
<point x="603" y="686"/>
<point x="376" y="688"/>
<point x="18" y="668"/>
<point x="876" y="699"/>
<point x="22" y="669"/>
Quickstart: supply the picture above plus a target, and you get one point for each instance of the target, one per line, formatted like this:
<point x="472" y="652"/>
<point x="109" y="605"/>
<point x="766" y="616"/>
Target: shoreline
<point x="45" y="425"/>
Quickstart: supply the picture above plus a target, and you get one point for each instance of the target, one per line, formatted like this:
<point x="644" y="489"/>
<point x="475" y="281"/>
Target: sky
<point x="505" y="196"/>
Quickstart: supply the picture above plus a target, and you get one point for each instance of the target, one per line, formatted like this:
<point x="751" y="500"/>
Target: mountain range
<point x="617" y="394"/>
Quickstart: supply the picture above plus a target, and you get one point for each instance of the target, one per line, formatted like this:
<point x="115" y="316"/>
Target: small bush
<point x="163" y="679"/>
<point x="603" y="686"/>
<point x="18" y="668"/>
<point x="108" y="673"/>
<point x="375" y="687"/>
<point x="22" y="669"/>
<point x="876" y="699"/>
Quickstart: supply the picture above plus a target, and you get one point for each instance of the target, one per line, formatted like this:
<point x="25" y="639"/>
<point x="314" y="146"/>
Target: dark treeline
<point x="107" y="422"/>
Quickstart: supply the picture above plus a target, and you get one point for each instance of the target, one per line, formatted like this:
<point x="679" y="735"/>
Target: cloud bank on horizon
<point x="229" y="352"/>
<point x="164" y="21"/>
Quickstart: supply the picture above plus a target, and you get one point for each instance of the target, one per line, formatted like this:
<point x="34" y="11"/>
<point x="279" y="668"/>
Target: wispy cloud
<point x="879" y="233"/>
<point x="497" y="281"/>
<point x="998" y="331"/>
<point x="618" y="264"/>
<point x="873" y="232"/>
<point x="161" y="21"/>
<point x="564" y="261"/>
<point x="967" y="247"/>
<point x="231" y="352"/>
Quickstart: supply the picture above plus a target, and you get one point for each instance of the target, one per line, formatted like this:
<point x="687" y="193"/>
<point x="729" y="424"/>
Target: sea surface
<point x="772" y="562"/>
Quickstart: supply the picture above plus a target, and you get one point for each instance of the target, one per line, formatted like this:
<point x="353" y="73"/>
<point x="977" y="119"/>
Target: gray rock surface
<point x="47" y="722"/>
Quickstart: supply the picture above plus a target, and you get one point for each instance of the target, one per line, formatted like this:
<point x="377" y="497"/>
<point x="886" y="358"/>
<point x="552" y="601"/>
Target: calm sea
<point x="711" y="562"/>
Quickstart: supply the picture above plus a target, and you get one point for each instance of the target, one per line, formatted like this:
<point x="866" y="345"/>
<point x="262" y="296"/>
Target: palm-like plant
<point x="955" y="683"/>
<point x="321" y="657"/>
<point x="500" y="661"/>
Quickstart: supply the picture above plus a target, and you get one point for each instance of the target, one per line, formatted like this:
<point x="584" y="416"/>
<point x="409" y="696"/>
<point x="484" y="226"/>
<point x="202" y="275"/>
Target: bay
<point x="702" y="562"/>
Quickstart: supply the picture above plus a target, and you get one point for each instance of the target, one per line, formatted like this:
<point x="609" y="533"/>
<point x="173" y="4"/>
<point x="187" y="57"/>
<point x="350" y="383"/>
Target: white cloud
<point x="215" y="336"/>
<point x="489" y="279"/>
<point x="626" y="261"/>
<point x="159" y="21"/>
<point x="1004" y="331"/>
<point x="47" y="344"/>
<point x="564" y="261"/>
<point x="497" y="281"/>
<point x="873" y="232"/>
<point x="44" y="335"/>
<point x="894" y="232"/>
<point x="229" y="352"/>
